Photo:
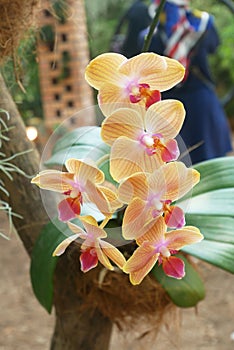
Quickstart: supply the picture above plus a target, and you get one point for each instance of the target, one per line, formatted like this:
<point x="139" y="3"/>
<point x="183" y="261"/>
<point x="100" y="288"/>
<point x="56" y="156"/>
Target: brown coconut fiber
<point x="17" y="17"/>
<point x="116" y="298"/>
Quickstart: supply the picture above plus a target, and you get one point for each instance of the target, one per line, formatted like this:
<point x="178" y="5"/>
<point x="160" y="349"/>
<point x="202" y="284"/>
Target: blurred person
<point x="136" y="18"/>
<point x="189" y="36"/>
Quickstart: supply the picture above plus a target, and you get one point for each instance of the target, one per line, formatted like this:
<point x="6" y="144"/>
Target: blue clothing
<point x="205" y="120"/>
<point x="137" y="18"/>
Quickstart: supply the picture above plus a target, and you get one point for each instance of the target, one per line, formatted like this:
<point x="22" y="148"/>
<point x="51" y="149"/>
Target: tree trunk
<point x="76" y="329"/>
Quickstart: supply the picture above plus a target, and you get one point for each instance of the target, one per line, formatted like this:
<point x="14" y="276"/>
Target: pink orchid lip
<point x="174" y="267"/>
<point x="174" y="218"/>
<point x="88" y="259"/>
<point x="69" y="209"/>
<point x="171" y="151"/>
<point x="136" y="97"/>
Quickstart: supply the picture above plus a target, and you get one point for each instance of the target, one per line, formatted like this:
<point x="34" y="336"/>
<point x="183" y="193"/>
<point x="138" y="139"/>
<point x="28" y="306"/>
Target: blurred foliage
<point x="102" y="19"/>
<point x="22" y="79"/>
<point x="60" y="9"/>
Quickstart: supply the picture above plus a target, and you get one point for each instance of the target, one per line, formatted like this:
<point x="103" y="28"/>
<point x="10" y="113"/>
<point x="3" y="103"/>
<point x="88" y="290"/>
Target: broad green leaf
<point x="43" y="263"/>
<point x="215" y="174"/>
<point x="214" y="228"/>
<point x="220" y="254"/>
<point x="79" y="152"/>
<point x="186" y="292"/>
<point x="84" y="135"/>
<point x="211" y="209"/>
<point x="217" y="248"/>
<point x="219" y="202"/>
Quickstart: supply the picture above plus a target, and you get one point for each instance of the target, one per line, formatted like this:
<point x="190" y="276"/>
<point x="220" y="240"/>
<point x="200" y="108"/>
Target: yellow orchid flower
<point x="82" y="182"/>
<point x="94" y="248"/>
<point x="140" y="79"/>
<point x="157" y="245"/>
<point x="150" y="195"/>
<point x="142" y="140"/>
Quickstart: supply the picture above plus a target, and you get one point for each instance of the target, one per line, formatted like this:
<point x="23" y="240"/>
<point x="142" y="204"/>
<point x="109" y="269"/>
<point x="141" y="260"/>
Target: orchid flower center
<point x="152" y="143"/>
<point x="76" y="191"/>
<point x="139" y="92"/>
<point x="164" y="251"/>
<point x="159" y="206"/>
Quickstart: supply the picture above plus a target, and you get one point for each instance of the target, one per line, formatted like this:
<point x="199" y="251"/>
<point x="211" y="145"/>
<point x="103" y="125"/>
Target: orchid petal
<point x="53" y="180"/>
<point x="165" y="79"/>
<point x="60" y="249"/>
<point x="165" y="117"/>
<point x="173" y="180"/>
<point x="112" y="98"/>
<point x="174" y="267"/>
<point x="84" y="171"/>
<point x="102" y="257"/>
<point x="134" y="186"/>
<point x="154" y="232"/>
<point x="177" y="239"/>
<point x="124" y="122"/>
<point x="77" y="229"/>
<point x="143" y="65"/>
<point x="129" y="157"/>
<point x="92" y="228"/>
<point x="113" y="253"/>
<point x="135" y="217"/>
<point x="112" y="198"/>
<point x="141" y="263"/>
<point x="96" y="196"/>
<point x="88" y="219"/>
<point x="103" y="69"/>
<point x="68" y="209"/>
<point x="88" y="259"/>
<point x="175" y="217"/>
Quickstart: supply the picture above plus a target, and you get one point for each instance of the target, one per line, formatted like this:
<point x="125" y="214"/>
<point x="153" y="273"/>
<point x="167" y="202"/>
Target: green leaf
<point x="210" y="207"/>
<point x="219" y="202"/>
<point x="219" y="254"/>
<point x="218" y="246"/>
<point x="215" y="174"/>
<point x="84" y="135"/>
<point x="43" y="263"/>
<point x="79" y="152"/>
<point x="186" y="292"/>
<point x="214" y="228"/>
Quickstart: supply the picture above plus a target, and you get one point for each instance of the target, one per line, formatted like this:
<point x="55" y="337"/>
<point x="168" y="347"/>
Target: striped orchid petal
<point x="137" y="80"/>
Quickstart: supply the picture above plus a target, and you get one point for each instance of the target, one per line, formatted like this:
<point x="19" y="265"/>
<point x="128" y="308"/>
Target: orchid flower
<point x="150" y="195"/>
<point x="94" y="248"/>
<point x="157" y="245"/>
<point x="140" y="79"/>
<point x="82" y="182"/>
<point x="142" y="140"/>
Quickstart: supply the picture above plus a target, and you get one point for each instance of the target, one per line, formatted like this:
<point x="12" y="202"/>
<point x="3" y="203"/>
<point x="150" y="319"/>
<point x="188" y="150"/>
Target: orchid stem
<point x="153" y="25"/>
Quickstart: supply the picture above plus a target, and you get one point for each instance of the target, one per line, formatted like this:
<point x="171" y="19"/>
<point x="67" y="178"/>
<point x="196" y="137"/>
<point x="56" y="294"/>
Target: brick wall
<point x="62" y="62"/>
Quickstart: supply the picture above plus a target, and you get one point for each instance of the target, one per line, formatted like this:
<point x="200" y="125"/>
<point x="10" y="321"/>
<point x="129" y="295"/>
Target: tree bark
<point x="75" y="329"/>
<point x="24" y="198"/>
